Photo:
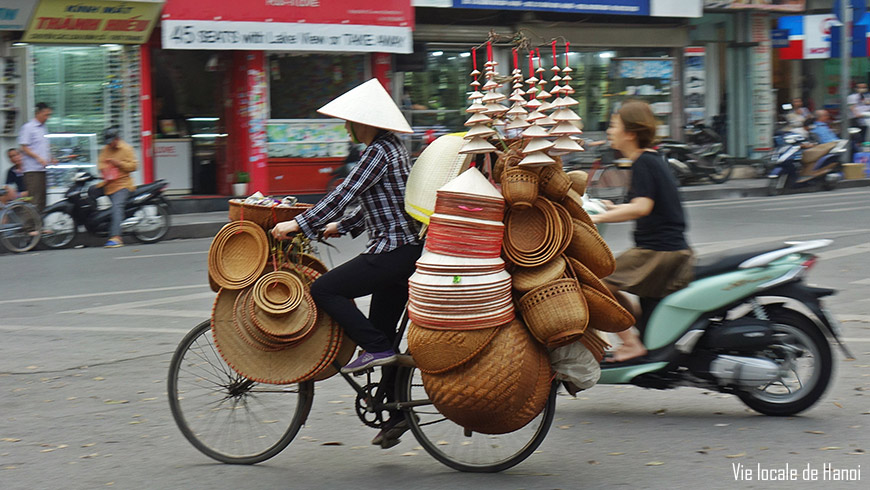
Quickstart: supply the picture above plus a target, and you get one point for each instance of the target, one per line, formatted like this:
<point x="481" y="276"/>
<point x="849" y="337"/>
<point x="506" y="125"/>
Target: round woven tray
<point x="489" y="394"/>
<point x="556" y="312"/>
<point x="436" y="351"/>
<point x="265" y="216"/>
<point x="237" y="254"/>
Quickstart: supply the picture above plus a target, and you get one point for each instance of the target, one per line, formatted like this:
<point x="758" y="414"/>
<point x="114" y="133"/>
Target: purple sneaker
<point x="368" y="360"/>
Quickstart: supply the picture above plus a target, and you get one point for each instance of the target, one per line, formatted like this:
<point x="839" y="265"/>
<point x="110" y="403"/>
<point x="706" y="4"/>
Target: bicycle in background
<point x="20" y="225"/>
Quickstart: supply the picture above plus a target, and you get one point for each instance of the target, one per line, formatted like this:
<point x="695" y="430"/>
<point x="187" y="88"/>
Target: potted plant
<point x="240" y="187"/>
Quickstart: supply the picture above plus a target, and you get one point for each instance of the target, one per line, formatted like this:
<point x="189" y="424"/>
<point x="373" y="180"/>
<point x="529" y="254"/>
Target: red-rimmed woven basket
<point x="556" y="312"/>
<point x="498" y="390"/>
<point x="265" y="216"/>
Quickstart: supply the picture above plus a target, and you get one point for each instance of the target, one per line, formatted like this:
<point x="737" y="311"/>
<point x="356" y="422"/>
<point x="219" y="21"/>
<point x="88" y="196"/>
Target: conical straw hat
<point x="564" y="128"/>
<point x="477" y="145"/>
<point x="480" y="130"/>
<point x="473" y="182"/>
<point x="565" y="144"/>
<point x="535" y="131"/>
<point x="477" y="118"/>
<point x="538" y="144"/>
<point x="439" y="163"/>
<point x="535" y="159"/>
<point x="368" y="104"/>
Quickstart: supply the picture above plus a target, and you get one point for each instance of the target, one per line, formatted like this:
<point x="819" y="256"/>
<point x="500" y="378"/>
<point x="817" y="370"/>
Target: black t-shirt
<point x="15" y="179"/>
<point x="663" y="228"/>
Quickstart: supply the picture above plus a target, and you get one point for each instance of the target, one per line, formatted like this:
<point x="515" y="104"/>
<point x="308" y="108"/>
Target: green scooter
<point x="747" y="325"/>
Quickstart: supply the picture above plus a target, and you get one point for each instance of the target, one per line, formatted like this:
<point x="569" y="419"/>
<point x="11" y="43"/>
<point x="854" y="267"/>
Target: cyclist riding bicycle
<point x="394" y="245"/>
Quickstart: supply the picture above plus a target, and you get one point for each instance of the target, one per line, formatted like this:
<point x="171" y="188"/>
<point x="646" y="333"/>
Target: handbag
<point x="110" y="173"/>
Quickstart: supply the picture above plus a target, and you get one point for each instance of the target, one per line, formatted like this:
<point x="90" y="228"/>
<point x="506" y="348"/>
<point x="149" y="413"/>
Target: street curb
<point x="206" y="229"/>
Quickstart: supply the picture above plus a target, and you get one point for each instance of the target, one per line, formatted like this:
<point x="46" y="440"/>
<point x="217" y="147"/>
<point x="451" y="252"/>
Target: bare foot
<point x="626" y="352"/>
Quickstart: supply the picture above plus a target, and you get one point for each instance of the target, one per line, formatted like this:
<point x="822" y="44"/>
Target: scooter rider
<point x="394" y="246"/>
<point x="661" y="260"/>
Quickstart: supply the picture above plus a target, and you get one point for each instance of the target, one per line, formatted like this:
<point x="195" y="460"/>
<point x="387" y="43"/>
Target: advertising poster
<point x="695" y="83"/>
<point x="763" y="103"/>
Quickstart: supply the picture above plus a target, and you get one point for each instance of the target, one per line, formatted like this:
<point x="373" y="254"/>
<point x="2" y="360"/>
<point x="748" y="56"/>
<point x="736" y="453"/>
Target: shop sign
<point x="274" y="36"/>
<point x="14" y="14"/>
<point x="92" y="21"/>
<point x="776" y="5"/>
<point x="809" y="36"/>
<point x="763" y="103"/>
<point x="611" y="7"/>
<point x="290" y="25"/>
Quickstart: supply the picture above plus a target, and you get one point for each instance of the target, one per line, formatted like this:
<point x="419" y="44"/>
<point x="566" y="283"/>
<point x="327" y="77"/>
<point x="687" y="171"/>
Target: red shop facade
<point x="236" y="88"/>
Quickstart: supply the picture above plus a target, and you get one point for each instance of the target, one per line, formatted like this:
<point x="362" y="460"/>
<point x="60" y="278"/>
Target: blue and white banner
<point x="610" y="7"/>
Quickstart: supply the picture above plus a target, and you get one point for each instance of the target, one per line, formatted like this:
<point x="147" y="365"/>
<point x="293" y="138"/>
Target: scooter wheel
<point x="806" y="364"/>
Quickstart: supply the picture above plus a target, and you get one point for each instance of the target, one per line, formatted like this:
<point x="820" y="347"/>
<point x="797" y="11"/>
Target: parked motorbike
<point x="795" y="164"/>
<point x="747" y="325"/>
<point x="146" y="214"/>
<point x="702" y="157"/>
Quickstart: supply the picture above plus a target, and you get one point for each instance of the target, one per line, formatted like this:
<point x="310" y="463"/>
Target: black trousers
<point x="385" y="277"/>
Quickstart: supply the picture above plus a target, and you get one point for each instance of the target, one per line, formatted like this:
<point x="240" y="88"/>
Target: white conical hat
<point x="565" y="128"/>
<point x="493" y="97"/>
<point x="564" y="114"/>
<point x="473" y="182"/>
<point x="480" y="130"/>
<point x="536" y="159"/>
<point x="476" y="145"/>
<point x="517" y="110"/>
<point x="518" y="123"/>
<point x="368" y="104"/>
<point x="538" y="144"/>
<point x="478" y="118"/>
<point x="565" y="145"/>
<point x="535" y="131"/>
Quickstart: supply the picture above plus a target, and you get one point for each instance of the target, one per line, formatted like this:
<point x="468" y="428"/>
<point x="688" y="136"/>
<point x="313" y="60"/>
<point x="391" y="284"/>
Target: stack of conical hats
<point x="485" y="109"/>
<point x="480" y="365"/>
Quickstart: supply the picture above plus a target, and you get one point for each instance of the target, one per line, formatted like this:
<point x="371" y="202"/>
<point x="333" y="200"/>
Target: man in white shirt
<point x="36" y="154"/>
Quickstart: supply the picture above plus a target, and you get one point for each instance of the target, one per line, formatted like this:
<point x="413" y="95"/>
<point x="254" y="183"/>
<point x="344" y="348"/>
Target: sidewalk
<point x="207" y="224"/>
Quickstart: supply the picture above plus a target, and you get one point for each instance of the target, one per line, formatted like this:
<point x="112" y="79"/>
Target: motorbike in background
<point x="795" y="163"/>
<point x="146" y="213"/>
<point x="701" y="157"/>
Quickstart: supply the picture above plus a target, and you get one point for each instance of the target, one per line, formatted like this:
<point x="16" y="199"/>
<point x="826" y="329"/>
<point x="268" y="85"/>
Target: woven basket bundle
<point x="295" y="345"/>
<point x="520" y="187"/>
<point x="499" y="390"/>
<point x="265" y="216"/>
<point x="554" y="182"/>
<point x="536" y="235"/>
<point x="237" y="255"/>
<point x="437" y="351"/>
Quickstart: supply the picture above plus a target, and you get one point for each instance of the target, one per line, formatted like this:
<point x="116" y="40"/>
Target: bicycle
<point x="609" y="178"/>
<point x="20" y="225"/>
<point x="235" y="420"/>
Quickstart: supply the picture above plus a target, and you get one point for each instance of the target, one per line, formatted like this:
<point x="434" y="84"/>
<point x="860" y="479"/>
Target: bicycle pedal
<point x="361" y="372"/>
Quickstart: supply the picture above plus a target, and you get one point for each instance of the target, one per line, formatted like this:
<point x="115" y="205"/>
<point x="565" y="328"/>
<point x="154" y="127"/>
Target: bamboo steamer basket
<point x="556" y="312"/>
<point x="489" y="393"/>
<point x="265" y="216"/>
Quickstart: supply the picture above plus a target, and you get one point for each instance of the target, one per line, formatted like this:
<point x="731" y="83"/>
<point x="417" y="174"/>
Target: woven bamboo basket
<point x="519" y="187"/>
<point x="591" y="250"/>
<point x="237" y="254"/>
<point x="436" y="351"/>
<point x="605" y="313"/>
<point x="556" y="312"/>
<point x="265" y="216"/>
<point x="534" y="236"/>
<point x="578" y="181"/>
<point x="527" y="278"/>
<point x="554" y="182"/>
<point x="573" y="202"/>
<point x="487" y="393"/>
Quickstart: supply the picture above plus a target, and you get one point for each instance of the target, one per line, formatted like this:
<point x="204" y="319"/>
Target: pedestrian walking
<point x="36" y="154"/>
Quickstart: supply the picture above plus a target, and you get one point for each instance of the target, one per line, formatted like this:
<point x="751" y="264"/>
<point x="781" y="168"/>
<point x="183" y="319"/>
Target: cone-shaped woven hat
<point x="368" y="104"/>
<point x="473" y="182"/>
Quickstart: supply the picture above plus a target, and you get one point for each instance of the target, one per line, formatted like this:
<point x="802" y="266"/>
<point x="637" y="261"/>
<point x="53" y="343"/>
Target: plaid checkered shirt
<point x="378" y="181"/>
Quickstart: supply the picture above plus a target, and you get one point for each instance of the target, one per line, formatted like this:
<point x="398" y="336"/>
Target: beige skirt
<point x="652" y="273"/>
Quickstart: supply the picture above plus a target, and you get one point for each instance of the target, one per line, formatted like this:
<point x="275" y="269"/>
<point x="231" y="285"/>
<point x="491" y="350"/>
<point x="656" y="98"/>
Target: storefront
<point x="618" y="49"/>
<point x="83" y="59"/>
<point x="256" y="75"/>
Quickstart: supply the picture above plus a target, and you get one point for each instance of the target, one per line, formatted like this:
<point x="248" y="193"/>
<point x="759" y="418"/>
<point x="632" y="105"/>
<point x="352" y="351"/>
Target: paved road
<point x="88" y="333"/>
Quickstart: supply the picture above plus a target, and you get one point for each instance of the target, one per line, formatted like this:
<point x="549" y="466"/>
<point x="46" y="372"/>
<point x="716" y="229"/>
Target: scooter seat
<point x="147" y="188"/>
<point x="718" y="264"/>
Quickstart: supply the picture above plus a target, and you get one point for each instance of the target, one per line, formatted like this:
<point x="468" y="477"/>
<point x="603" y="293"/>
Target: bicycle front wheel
<point x="226" y="416"/>
<point x="20" y="227"/>
<point x="472" y="452"/>
<point x="609" y="183"/>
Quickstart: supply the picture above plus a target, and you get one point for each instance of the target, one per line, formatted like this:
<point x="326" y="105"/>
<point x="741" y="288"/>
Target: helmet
<point x="110" y="134"/>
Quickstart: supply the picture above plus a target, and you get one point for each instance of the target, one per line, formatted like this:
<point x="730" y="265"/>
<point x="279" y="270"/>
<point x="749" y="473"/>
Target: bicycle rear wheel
<point x="609" y="183"/>
<point x="20" y="227"/>
<point x="226" y="416"/>
<point x="478" y="453"/>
